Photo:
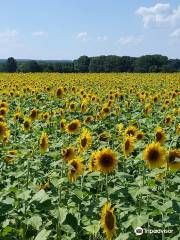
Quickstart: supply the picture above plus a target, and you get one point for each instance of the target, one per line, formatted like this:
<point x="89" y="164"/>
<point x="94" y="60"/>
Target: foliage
<point x="111" y="63"/>
<point x="38" y="200"/>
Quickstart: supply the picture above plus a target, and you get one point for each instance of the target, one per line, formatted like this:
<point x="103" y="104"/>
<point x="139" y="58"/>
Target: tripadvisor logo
<point x="138" y="231"/>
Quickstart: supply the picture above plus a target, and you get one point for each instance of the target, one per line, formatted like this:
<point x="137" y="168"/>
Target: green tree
<point x="97" y="64"/>
<point x="150" y="63"/>
<point x="33" y="66"/>
<point x="82" y="64"/>
<point x="11" y="65"/>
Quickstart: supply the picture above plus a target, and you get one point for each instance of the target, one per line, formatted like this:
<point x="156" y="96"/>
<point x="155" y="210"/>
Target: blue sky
<point x="67" y="29"/>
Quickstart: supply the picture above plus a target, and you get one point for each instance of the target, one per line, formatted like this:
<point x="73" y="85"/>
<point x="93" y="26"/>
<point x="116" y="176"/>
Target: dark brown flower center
<point x="106" y="110"/>
<point x="72" y="106"/>
<point x="139" y="136"/>
<point x="171" y="158"/>
<point x="2" y="112"/>
<point x="68" y="153"/>
<point x="106" y="160"/>
<point x="168" y="119"/>
<point x="84" y="142"/>
<point x="109" y="220"/>
<point x="33" y="114"/>
<point x="59" y="92"/>
<point x="127" y="145"/>
<point x="43" y="142"/>
<point x="153" y="155"/>
<point x="26" y="124"/>
<point x="73" y="126"/>
<point x="130" y="132"/>
<point x="159" y="136"/>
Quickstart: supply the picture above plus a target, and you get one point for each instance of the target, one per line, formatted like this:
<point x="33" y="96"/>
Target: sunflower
<point x="128" y="145"/>
<point x="27" y="124"/>
<point x="83" y="106"/>
<point x="3" y="111"/>
<point x="1" y="118"/>
<point x="85" y="140"/>
<point x="76" y="168"/>
<point x="160" y="176"/>
<point x="160" y="135"/>
<point x="175" y="111"/>
<point x="59" y="92"/>
<point x="34" y="114"/>
<point x="73" y="127"/>
<point x="168" y="119"/>
<point x="43" y="142"/>
<point x="72" y="107"/>
<point x="178" y="129"/>
<point x="10" y="156"/>
<point x="45" y="116"/>
<point x="104" y="136"/>
<point x="98" y="117"/>
<point x="131" y="130"/>
<point x="155" y="155"/>
<point x="63" y="124"/>
<point x="91" y="164"/>
<point x="117" y="111"/>
<point x="105" y="111"/>
<point x="127" y="104"/>
<point x="4" y="105"/>
<point x="139" y="135"/>
<point x="147" y="108"/>
<point x="172" y="162"/>
<point x="155" y="98"/>
<point x="45" y="185"/>
<point x="108" y="220"/>
<point x="4" y="132"/>
<point x="73" y="89"/>
<point x="105" y="160"/>
<point x="88" y="119"/>
<point x="68" y="153"/>
<point x="61" y="112"/>
<point x="16" y="117"/>
<point x="120" y="126"/>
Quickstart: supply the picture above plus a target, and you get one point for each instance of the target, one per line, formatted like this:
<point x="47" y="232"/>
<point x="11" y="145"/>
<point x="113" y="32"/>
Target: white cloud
<point x="176" y="33"/>
<point x="130" y="40"/>
<point x="160" y="14"/>
<point x="39" y="33"/>
<point x="102" y="38"/>
<point x="8" y="34"/>
<point x="83" y="36"/>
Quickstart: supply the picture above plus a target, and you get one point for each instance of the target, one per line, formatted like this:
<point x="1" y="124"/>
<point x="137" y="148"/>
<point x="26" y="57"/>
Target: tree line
<point x="85" y="64"/>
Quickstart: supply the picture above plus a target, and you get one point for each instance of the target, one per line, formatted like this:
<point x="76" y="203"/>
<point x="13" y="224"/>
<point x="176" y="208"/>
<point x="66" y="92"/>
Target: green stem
<point x="107" y="194"/>
<point x="59" y="204"/>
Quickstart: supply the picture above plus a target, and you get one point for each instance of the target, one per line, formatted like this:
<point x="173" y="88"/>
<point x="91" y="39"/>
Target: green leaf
<point x="176" y="179"/>
<point x="138" y="221"/>
<point x="93" y="229"/>
<point x="123" y="236"/>
<point x="79" y="194"/>
<point x="43" y="235"/>
<point x="62" y="212"/>
<point x="35" y="221"/>
<point x="6" y="231"/>
<point x="136" y="191"/>
<point x="176" y="237"/>
<point x="25" y="195"/>
<point x="40" y="196"/>
<point x="155" y="171"/>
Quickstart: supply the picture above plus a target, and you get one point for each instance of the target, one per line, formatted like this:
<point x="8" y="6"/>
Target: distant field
<point x="89" y="156"/>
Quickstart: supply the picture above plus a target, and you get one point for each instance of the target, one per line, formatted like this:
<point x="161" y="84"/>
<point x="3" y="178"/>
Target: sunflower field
<point x="89" y="156"/>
